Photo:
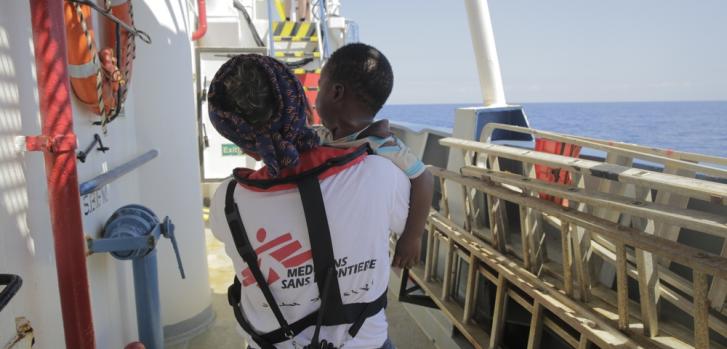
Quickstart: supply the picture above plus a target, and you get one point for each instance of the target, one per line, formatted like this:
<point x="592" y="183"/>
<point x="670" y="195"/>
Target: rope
<point x="105" y="116"/>
<point x="130" y="53"/>
<point x="94" y="53"/>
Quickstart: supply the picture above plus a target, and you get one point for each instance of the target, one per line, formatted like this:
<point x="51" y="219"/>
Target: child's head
<point x="258" y="104"/>
<point x="355" y="83"/>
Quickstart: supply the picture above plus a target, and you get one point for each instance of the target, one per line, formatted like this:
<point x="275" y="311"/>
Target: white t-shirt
<point x="364" y="203"/>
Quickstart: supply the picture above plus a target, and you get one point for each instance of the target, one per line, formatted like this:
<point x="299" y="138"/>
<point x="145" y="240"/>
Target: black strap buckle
<point x="233" y="293"/>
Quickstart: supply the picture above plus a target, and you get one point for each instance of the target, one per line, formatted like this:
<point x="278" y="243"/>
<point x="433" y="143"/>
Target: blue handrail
<point x="98" y="182"/>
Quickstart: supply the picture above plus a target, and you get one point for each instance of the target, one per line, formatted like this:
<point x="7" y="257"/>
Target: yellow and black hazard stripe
<point x="297" y="54"/>
<point x="294" y="31"/>
<point x="301" y="71"/>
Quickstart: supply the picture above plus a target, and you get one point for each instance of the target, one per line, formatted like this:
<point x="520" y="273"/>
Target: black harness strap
<point x="320" y="241"/>
<point x="244" y="248"/>
<point x="234" y="301"/>
<point x="333" y="311"/>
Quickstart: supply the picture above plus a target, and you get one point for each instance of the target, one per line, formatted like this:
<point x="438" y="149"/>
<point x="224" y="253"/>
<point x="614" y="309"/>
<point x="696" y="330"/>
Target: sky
<point x="553" y="50"/>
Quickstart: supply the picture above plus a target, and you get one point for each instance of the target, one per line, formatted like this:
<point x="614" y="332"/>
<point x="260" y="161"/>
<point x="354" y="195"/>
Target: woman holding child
<point x="308" y="233"/>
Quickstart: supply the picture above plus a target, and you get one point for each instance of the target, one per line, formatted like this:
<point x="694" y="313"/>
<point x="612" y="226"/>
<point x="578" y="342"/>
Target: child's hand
<point x="407" y="251"/>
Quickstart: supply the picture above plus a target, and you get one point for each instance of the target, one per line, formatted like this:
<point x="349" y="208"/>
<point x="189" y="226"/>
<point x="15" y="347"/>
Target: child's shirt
<point x="382" y="143"/>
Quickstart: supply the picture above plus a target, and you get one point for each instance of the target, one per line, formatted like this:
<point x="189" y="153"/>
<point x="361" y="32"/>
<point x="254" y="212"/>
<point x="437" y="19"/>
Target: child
<point x="354" y="85"/>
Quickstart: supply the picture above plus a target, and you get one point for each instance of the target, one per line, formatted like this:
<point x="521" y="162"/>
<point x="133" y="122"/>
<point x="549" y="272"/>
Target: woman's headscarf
<point x="278" y="140"/>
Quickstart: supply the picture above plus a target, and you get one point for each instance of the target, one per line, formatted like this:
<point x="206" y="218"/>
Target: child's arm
<point x="383" y="143"/>
<point x="409" y="245"/>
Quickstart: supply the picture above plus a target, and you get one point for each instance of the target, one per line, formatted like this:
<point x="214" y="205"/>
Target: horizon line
<point x="565" y="102"/>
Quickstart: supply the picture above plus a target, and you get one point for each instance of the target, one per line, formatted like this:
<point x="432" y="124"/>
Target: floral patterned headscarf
<point x="280" y="139"/>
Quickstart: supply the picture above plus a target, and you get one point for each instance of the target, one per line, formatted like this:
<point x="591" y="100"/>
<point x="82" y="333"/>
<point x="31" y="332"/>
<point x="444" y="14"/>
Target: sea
<point x="699" y="127"/>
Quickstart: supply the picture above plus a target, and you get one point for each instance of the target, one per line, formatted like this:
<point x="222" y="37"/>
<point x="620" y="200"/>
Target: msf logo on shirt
<point x="283" y="249"/>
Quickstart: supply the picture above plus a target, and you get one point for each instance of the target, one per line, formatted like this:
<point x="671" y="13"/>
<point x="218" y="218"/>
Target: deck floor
<point x="223" y="335"/>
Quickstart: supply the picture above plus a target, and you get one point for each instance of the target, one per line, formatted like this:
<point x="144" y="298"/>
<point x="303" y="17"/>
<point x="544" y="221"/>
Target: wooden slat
<point x="448" y="271"/>
<point x="497" y="222"/>
<point x="538" y="248"/>
<point x="581" y="242"/>
<point x="664" y="228"/>
<point x="572" y="313"/>
<point x="606" y="186"/>
<point x="583" y="343"/>
<point x="642" y="241"/>
<point x="622" y="289"/>
<point x="498" y="315"/>
<point x="689" y="256"/>
<point x="669" y="153"/>
<point x="467" y="205"/>
<point x="701" y="311"/>
<point x="562" y="333"/>
<point x="718" y="290"/>
<point x="445" y="198"/>
<point x="667" y="291"/>
<point x="672" y="334"/>
<point x="531" y="227"/>
<point x="470" y="290"/>
<point x="526" y="217"/>
<point x="487" y="274"/>
<point x="648" y="278"/>
<point x="606" y="250"/>
<point x="581" y="141"/>
<point x="430" y="253"/>
<point x="693" y="219"/>
<point x="496" y="211"/>
<point x="435" y="262"/>
<point x="475" y="334"/>
<point x="536" y="327"/>
<point x="703" y="190"/>
<point x="525" y="235"/>
<point x="567" y="255"/>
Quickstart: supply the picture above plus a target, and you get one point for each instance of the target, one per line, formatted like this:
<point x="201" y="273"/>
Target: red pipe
<point x="49" y="40"/>
<point x="202" y="25"/>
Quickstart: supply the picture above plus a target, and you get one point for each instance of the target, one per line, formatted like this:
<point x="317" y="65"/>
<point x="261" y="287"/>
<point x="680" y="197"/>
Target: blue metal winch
<point x="131" y="234"/>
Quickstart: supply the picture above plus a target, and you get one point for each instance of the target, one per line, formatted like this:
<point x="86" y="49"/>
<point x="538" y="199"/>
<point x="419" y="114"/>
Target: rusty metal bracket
<point x="54" y="144"/>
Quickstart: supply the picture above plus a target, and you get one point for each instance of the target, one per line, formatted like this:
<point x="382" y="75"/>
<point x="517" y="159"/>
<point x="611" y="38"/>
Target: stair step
<point x="297" y="54"/>
<point x="295" y="38"/>
<point x="301" y="71"/>
<point x="294" y="31"/>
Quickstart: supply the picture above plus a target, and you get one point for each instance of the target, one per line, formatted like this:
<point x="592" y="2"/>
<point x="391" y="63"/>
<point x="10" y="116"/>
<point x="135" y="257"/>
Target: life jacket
<point x="332" y="311"/>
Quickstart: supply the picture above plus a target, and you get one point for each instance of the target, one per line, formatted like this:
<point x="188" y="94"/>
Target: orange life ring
<point x="97" y="79"/>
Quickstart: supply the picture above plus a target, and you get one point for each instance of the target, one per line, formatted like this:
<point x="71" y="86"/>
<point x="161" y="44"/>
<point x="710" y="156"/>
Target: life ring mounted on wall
<point x="100" y="74"/>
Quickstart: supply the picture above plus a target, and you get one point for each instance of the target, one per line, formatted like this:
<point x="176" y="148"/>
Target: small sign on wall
<point x="94" y="200"/>
<point x="229" y="149"/>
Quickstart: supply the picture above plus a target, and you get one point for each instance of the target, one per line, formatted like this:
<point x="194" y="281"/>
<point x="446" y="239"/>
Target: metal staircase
<point x="301" y="45"/>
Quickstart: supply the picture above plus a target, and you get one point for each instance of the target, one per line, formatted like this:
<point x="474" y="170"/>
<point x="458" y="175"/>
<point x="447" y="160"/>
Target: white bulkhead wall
<point x="165" y="115"/>
<point x="226" y="26"/>
<point x="160" y="114"/>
